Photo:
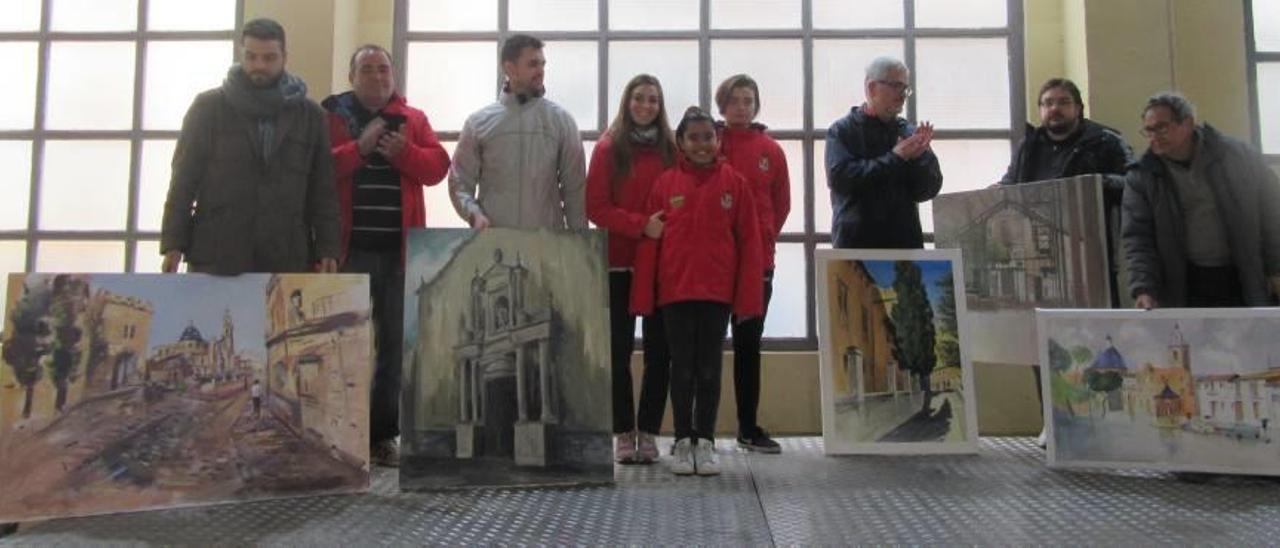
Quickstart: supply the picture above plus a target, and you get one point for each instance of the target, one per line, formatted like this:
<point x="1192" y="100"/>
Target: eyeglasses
<point x="1060" y="103"/>
<point x="899" y="87"/>
<point x="1157" y="130"/>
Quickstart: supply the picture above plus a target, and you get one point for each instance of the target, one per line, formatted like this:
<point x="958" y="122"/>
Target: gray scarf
<point x="262" y="104"/>
<point x="644" y="136"/>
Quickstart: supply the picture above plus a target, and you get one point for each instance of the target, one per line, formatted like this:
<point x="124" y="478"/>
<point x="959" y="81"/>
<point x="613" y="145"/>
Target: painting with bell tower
<point x="506" y="365"/>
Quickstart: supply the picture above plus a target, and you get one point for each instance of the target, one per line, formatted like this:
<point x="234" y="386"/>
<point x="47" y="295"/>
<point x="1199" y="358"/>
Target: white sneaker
<point x="704" y="458"/>
<point x="1043" y="439"/>
<point x="682" y="458"/>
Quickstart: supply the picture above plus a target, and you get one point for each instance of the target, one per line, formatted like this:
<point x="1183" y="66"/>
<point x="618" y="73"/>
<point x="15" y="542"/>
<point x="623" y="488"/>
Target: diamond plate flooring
<point x="1004" y="495"/>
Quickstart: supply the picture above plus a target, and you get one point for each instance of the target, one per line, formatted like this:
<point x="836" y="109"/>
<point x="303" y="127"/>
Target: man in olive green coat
<point x="252" y="187"/>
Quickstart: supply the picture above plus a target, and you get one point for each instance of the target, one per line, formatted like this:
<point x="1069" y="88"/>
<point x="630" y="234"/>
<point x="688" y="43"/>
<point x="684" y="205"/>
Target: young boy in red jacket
<point x="705" y="265"/>
<point x="759" y="159"/>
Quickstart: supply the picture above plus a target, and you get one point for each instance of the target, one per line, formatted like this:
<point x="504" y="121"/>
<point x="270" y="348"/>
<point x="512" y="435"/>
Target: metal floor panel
<point x="1004" y="495"/>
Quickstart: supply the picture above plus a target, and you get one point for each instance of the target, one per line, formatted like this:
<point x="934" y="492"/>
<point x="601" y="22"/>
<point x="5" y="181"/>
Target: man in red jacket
<point x="384" y="152"/>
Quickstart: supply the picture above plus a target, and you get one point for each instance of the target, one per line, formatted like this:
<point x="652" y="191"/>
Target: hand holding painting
<point x="171" y="260"/>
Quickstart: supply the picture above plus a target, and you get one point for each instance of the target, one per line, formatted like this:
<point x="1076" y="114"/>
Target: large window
<point x="1263" y="44"/>
<point x="92" y="107"/>
<point x="807" y="55"/>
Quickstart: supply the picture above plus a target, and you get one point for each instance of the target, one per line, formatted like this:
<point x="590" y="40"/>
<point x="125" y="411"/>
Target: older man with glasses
<point x="879" y="166"/>
<point x="1199" y="223"/>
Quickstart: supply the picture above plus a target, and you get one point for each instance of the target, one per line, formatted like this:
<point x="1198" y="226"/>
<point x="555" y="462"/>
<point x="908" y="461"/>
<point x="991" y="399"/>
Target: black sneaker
<point x="760" y="442"/>
<point x="7" y="529"/>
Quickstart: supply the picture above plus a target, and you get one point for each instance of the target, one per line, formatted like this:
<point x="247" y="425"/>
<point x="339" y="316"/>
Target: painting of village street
<point x="123" y="392"/>
<point x="894" y="375"/>
<point x="1028" y="246"/>
<point x="1183" y="390"/>
<point x="507" y="376"/>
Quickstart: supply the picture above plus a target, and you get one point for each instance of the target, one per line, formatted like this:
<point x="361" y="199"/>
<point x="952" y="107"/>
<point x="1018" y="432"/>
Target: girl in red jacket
<point x="706" y="265"/>
<point x="636" y="149"/>
<point x="759" y="159"/>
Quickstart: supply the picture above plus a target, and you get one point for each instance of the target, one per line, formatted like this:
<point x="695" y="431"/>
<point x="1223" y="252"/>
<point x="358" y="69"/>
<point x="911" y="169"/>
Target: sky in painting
<point x="931" y="272"/>
<point x="1217" y="345"/>
<point x="179" y="301"/>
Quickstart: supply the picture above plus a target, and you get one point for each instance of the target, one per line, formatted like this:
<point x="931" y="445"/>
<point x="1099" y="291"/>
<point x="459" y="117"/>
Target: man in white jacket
<point x="522" y="153"/>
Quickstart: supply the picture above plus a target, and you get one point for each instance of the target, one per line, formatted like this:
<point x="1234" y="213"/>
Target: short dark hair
<point x="1063" y="83"/>
<point x="515" y="45"/>
<point x="263" y="29"/>
<point x="734" y="82"/>
<point x="691" y="115"/>
<point x="1179" y="106"/>
<point x="366" y="48"/>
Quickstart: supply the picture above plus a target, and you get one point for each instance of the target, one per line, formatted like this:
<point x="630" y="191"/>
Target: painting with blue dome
<point x="1179" y="390"/>
<point x="125" y="392"/>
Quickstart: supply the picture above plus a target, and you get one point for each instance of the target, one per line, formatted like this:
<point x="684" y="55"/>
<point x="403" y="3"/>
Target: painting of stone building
<point x="135" y="391"/>
<point x="1185" y="390"/>
<point x="506" y="359"/>
<point x="1028" y="246"/>
<point x="895" y="375"/>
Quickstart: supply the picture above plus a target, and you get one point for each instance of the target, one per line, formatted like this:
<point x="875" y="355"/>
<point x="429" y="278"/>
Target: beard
<point x="1061" y="127"/>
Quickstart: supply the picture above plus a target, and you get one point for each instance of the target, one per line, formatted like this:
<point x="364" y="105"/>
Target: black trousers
<point x="657" y="362"/>
<point x="695" y="331"/>
<point x="386" y="292"/>
<point x="746" y="365"/>
<point x="1213" y="287"/>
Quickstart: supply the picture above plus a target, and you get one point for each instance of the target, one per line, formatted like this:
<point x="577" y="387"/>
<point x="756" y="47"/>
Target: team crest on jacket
<point x="764" y="163"/>
<point x="726" y="200"/>
<point x="677" y="201"/>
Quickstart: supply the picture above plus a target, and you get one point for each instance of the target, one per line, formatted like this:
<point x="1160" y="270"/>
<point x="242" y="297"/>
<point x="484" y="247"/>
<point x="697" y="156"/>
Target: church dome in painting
<point x="191" y="334"/>
<point x="1109" y="359"/>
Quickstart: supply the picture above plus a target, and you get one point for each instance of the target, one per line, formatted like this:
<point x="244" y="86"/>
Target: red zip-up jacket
<point x="621" y="211"/>
<point x="422" y="162"/>
<point x="710" y="247"/>
<point x="759" y="158"/>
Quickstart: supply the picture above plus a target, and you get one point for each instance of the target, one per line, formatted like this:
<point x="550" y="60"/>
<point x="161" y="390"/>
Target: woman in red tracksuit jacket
<point x="636" y="149"/>
<point x="706" y="265"/>
<point x="759" y="159"/>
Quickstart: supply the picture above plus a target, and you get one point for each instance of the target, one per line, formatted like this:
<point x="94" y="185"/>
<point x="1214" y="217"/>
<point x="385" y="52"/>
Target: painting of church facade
<point x="507" y="376"/>
<point x="894" y="370"/>
<point x="1028" y="246"/>
<point x="1180" y="390"/>
<point x="122" y="392"/>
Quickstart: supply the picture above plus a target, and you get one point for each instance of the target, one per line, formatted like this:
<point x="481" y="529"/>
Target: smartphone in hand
<point x="394" y="121"/>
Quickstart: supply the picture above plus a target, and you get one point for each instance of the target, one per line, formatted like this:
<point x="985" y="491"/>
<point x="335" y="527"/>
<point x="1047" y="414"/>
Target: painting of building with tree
<point x="113" y="398"/>
<point x="1040" y="245"/>
<point x="895" y="378"/>
<point x="1188" y="390"/>
<point x="507" y="359"/>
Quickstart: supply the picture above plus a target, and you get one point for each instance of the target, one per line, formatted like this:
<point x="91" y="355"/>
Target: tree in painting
<point x="27" y="343"/>
<point x="68" y="303"/>
<point x="948" y="345"/>
<point x="913" y="330"/>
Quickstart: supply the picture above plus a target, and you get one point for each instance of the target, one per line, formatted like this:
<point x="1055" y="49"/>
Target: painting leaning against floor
<point x="895" y="376"/>
<point x="122" y="392"/>
<point x="1177" y="389"/>
<point x="507" y="372"/>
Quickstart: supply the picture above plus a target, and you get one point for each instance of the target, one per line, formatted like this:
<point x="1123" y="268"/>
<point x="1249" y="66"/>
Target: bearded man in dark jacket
<point x="252" y="187"/>
<point x="1067" y="144"/>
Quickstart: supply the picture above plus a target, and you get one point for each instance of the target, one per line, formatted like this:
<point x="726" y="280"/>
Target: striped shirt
<point x="375" y="199"/>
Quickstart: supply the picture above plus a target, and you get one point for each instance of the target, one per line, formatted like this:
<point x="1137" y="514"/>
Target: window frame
<point x="1253" y="58"/>
<point x="811" y="132"/>
<point x="39" y="135"/>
